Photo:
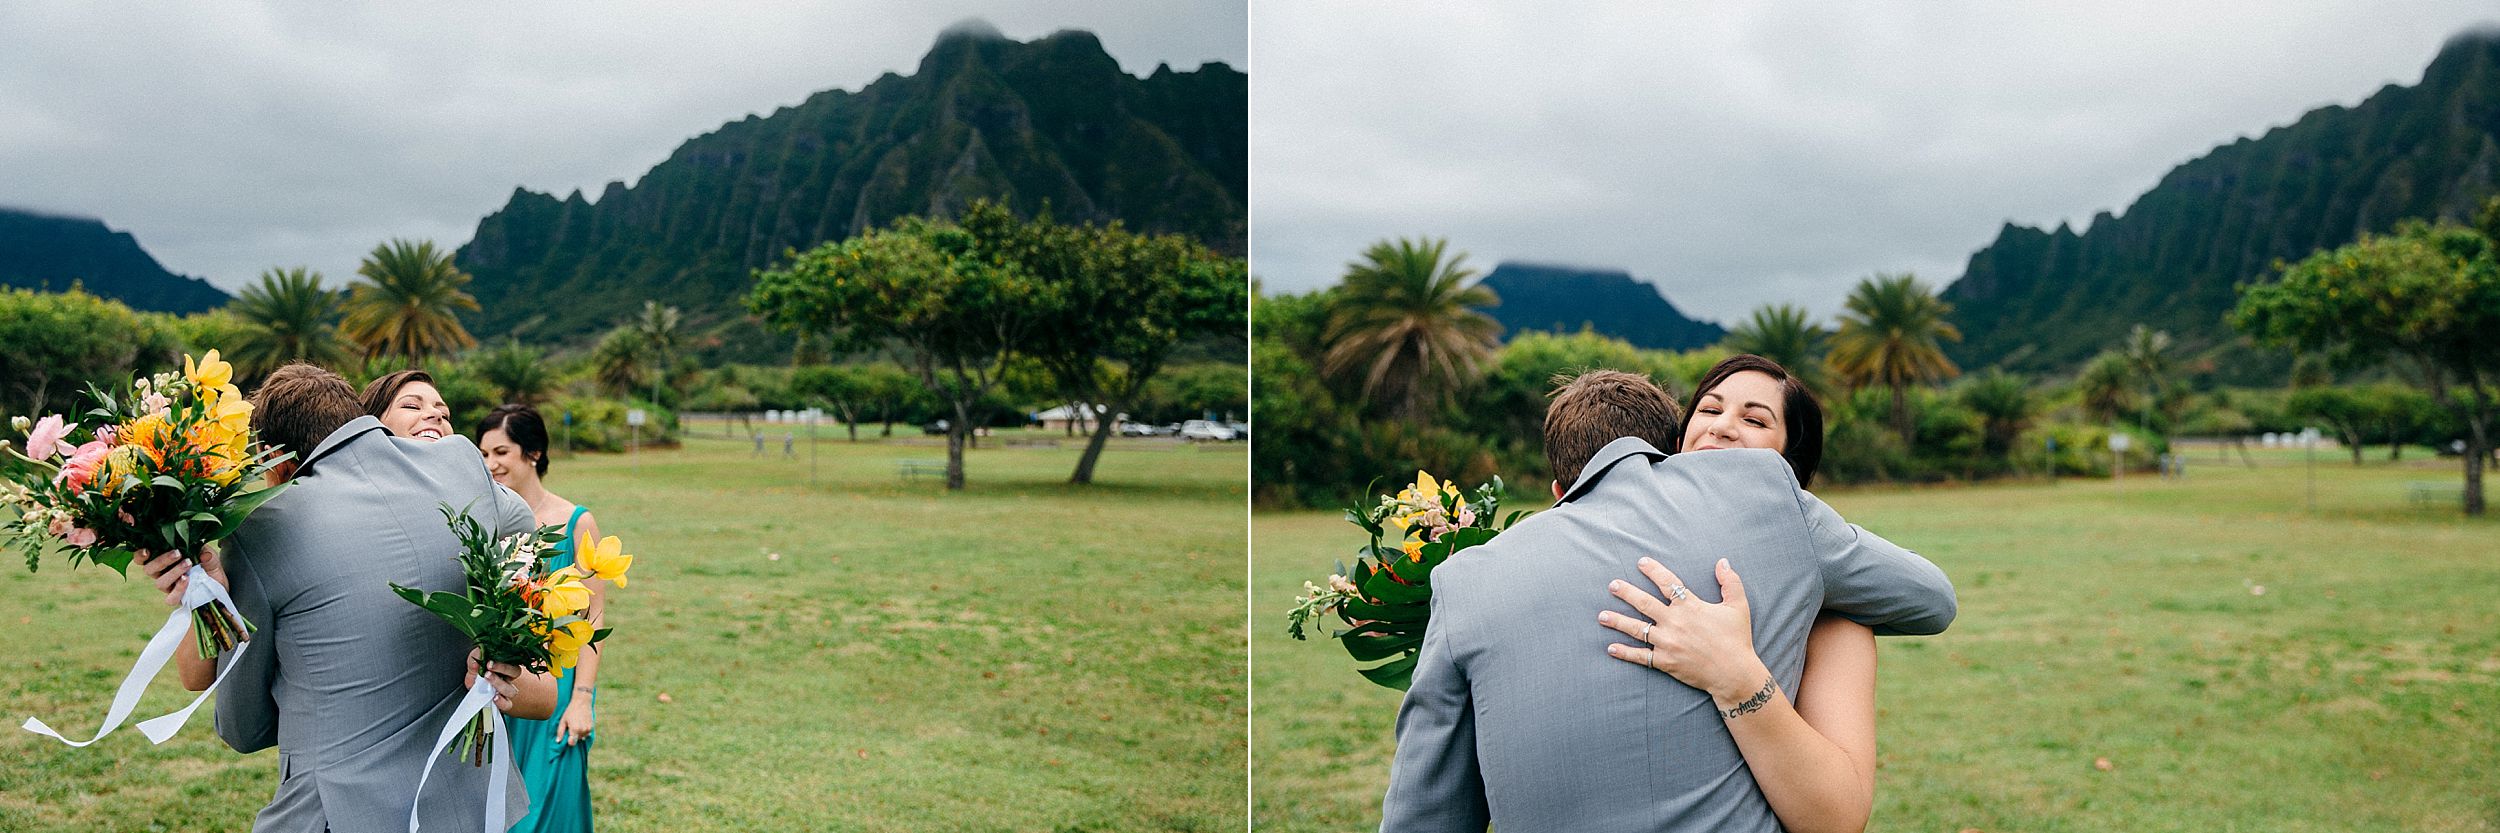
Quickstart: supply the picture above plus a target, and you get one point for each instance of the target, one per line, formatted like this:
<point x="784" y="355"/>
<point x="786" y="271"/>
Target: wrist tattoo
<point x="1754" y="703"/>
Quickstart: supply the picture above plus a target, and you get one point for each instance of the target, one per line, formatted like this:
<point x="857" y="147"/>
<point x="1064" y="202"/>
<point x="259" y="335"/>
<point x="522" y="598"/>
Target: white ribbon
<point x="202" y="591"/>
<point x="481" y="699"/>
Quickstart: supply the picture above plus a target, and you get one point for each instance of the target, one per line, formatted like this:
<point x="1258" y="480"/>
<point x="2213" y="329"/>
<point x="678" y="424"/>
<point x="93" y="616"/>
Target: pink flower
<point x="82" y="465"/>
<point x="60" y="526"/>
<point x="80" y="536"/>
<point x="105" y="435"/>
<point x="45" y="440"/>
<point x="154" y="403"/>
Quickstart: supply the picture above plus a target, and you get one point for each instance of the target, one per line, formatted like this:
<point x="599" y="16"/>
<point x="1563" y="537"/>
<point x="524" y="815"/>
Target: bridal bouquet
<point x="514" y="609"/>
<point x="167" y="464"/>
<point x="1386" y="600"/>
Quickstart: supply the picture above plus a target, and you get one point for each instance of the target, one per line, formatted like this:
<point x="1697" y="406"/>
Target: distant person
<point x="790" y="445"/>
<point x="1515" y="720"/>
<point x="554" y="754"/>
<point x="759" y="443"/>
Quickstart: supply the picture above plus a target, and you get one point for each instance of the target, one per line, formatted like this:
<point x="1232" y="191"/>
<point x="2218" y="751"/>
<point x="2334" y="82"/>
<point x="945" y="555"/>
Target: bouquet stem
<point x="471" y="744"/>
<point x="214" y="631"/>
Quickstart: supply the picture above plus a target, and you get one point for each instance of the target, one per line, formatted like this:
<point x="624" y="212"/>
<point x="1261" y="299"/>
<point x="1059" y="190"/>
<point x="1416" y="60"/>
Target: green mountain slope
<point x="41" y="251"/>
<point x="1564" y="299"/>
<point x="2047" y="300"/>
<point x="1050" y="122"/>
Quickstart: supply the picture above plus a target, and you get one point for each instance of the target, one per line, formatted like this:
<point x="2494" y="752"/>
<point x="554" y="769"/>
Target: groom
<point x="351" y="682"/>
<point x="1518" y="718"/>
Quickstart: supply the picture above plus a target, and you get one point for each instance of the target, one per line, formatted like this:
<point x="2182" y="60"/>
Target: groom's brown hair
<point x="1599" y="407"/>
<point x="301" y="404"/>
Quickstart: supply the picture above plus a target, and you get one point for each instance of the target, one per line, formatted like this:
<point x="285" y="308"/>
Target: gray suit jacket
<point x="1516" y="717"/>
<point x="349" y="681"/>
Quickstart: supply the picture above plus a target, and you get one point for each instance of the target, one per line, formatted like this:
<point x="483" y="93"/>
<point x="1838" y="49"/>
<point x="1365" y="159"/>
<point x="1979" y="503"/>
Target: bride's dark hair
<point x="522" y="425"/>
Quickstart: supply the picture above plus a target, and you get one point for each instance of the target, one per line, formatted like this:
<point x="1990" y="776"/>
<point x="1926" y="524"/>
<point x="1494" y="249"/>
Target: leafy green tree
<point x="517" y="374"/>
<point x="2351" y="415"/>
<point x="2107" y="387"/>
<point x="844" y="390"/>
<point x="1406" y="330"/>
<point x="923" y="289"/>
<point x="2005" y="406"/>
<point x="620" y="361"/>
<point x="1891" y="336"/>
<point x="291" y="318"/>
<point x="408" y="305"/>
<point x="1782" y="333"/>
<point x="2428" y="296"/>
<point x="2147" y="352"/>
<point x="1120" y="304"/>
<point x="54" y="345"/>
<point x="663" y="336"/>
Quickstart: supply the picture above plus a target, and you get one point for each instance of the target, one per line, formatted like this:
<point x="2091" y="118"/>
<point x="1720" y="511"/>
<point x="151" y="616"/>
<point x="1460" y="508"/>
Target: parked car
<point x="1241" y="430"/>
<point x="936" y="428"/>
<point x="1139" y="429"/>
<point x="1205" y="430"/>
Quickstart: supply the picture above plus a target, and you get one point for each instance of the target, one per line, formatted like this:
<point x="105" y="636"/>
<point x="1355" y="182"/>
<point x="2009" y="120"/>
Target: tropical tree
<point x="924" y="289"/>
<point x="1119" y="305"/>
<point x="1891" y="337"/>
<point x="2427" y="295"/>
<point x="290" y="317"/>
<point x="408" y="305"/>
<point x="1782" y="333"/>
<point x="518" y="374"/>
<point x="661" y="337"/>
<point x="1407" y="329"/>
<point x="618" y="363"/>
<point x="2004" y="404"/>
<point x="2107" y="387"/>
<point x="2147" y="353"/>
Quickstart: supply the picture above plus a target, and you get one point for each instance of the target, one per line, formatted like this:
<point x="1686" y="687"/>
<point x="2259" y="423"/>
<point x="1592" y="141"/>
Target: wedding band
<point x="1653" y="659"/>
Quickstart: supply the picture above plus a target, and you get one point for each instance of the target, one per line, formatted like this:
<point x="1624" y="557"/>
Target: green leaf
<point x="117" y="560"/>
<point x="1358" y="609"/>
<point x="1386" y="589"/>
<point x="1398" y="674"/>
<point x="1365" y="645"/>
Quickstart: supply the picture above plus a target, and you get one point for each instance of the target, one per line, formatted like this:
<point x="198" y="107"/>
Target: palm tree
<point x="518" y="374"/>
<point x="407" y="307"/>
<point x="658" y="330"/>
<point x="2147" y="353"/>
<point x="1406" y="325"/>
<point x="2004" y="404"/>
<point x="2107" y="386"/>
<point x="1891" y="337"/>
<point x="617" y="363"/>
<point x="1783" y="334"/>
<point x="288" y="317"/>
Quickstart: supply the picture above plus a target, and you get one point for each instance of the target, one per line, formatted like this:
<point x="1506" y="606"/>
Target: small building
<point x="1076" y="416"/>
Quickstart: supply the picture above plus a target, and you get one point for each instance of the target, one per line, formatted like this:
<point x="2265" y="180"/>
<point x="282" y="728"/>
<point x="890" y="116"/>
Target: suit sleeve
<point x="247" y="710"/>
<point x="1875" y="582"/>
<point x="511" y="514"/>
<point x="1436" y="783"/>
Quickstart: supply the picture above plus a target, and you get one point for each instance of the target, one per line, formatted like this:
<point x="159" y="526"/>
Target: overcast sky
<point x="1740" y="154"/>
<point x="233" y="136"/>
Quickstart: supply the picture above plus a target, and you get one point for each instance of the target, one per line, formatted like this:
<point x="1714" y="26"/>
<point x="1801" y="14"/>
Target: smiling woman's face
<point x="418" y="412"/>
<point x="1746" y="410"/>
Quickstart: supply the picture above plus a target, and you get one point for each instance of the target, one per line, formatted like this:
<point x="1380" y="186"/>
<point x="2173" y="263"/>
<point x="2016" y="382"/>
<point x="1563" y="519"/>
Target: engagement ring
<point x="1678" y="591"/>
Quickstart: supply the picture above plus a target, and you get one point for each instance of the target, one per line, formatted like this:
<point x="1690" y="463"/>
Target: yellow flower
<point x="125" y="461"/>
<point x="1414" y="550"/>
<point x="149" y="432"/>
<point x="210" y="372"/>
<point x="570" y="638"/>
<point x="1425" y="485"/>
<point x="563" y="596"/>
<point x="606" y="559"/>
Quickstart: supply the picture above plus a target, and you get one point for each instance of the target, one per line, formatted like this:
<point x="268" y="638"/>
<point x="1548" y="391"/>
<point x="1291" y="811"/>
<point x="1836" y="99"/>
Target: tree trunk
<point x="1901" y="419"/>
<point x="1093" y="452"/>
<point x="2478" y="446"/>
<point x="956" y="435"/>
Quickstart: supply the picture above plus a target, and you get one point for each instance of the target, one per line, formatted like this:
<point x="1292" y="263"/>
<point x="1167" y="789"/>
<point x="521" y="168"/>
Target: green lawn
<point x="2360" y="690"/>
<point x="1028" y="656"/>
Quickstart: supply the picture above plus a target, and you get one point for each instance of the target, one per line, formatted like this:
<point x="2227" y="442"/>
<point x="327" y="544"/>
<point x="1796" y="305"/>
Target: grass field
<point x="2242" y="663"/>
<point x="863" y="653"/>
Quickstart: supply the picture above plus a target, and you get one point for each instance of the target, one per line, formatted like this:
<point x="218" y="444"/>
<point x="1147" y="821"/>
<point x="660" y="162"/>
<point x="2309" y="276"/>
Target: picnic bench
<point x="2423" y="492"/>
<point x="913" y="469"/>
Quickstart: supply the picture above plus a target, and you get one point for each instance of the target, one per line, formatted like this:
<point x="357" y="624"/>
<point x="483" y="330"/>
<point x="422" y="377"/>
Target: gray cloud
<point x="1744" y="154"/>
<point x="234" y="136"/>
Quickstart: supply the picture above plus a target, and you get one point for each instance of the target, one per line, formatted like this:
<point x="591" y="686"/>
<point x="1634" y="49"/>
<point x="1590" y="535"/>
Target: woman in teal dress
<point x="553" y="754"/>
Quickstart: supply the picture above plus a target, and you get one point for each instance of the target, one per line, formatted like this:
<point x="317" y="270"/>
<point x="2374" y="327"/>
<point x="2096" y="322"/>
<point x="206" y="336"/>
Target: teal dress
<point x="557" y="776"/>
